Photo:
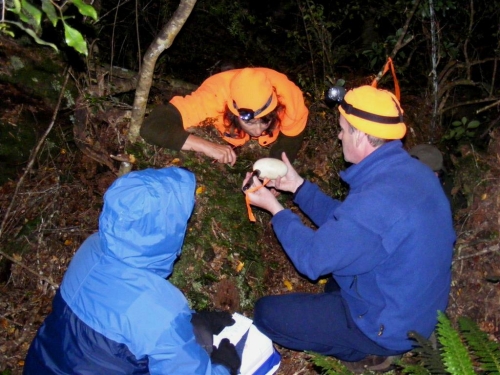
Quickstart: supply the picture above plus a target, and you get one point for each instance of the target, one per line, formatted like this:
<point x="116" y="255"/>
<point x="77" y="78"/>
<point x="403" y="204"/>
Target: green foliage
<point x="318" y="37"/>
<point x="430" y="359"/>
<point x="30" y="18"/>
<point x="487" y="352"/>
<point x="376" y="54"/>
<point x="328" y="365"/>
<point x="209" y="254"/>
<point x="459" y="352"/>
<point x="455" y="355"/>
<point x="439" y="6"/>
<point x="463" y="130"/>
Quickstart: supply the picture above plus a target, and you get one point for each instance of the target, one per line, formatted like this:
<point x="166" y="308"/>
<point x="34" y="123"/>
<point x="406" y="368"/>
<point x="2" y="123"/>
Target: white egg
<point x="270" y="168"/>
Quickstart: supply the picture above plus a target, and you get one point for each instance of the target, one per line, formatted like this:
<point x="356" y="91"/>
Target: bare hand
<point x="261" y="197"/>
<point x="289" y="182"/>
<point x="222" y="153"/>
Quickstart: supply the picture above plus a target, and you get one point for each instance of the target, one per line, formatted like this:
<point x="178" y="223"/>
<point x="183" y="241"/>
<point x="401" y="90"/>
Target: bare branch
<point x="22" y="265"/>
<point x="488" y="250"/>
<point x="469" y="102"/>
<point x="163" y="41"/>
<point x="401" y="42"/>
<point x="489" y="106"/>
<point x="34" y="154"/>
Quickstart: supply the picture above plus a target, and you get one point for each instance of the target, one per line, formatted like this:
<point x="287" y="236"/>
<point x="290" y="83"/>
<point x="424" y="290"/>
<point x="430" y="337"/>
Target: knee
<point x="262" y="312"/>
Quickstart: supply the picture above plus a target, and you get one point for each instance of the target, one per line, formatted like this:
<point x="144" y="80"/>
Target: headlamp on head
<point x="373" y="111"/>
<point x="334" y="95"/>
<point x="247" y="114"/>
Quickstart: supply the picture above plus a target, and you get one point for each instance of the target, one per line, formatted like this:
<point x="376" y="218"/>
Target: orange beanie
<point x="251" y="89"/>
<point x="375" y="112"/>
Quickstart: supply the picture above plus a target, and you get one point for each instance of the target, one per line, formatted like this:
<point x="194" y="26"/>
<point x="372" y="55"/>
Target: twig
<point x="35" y="152"/>
<point x="490" y="249"/>
<point x="488" y="107"/>
<point x="139" y="53"/>
<point x="20" y="264"/>
<point x="469" y="102"/>
<point x="434" y="61"/>
<point x="401" y="42"/>
<point x="2" y="316"/>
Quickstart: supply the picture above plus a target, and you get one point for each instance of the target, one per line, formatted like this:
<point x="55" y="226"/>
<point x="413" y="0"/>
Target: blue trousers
<point x="320" y="323"/>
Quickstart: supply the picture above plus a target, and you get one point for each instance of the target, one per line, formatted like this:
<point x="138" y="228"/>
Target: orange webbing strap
<point x="390" y="64"/>
<point x="247" y="199"/>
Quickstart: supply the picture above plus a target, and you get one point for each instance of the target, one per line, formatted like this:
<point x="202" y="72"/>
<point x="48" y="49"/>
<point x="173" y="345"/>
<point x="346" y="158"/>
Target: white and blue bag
<point x="256" y="350"/>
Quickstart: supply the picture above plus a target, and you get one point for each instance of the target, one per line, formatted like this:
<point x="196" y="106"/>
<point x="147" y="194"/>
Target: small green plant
<point x="464" y="350"/>
<point x="460" y="351"/>
<point x="462" y="129"/>
<point x="30" y="18"/>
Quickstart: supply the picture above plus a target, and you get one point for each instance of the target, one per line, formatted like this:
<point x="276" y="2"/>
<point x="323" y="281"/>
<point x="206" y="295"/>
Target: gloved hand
<point x="215" y="320"/>
<point x="202" y="332"/>
<point x="227" y="356"/>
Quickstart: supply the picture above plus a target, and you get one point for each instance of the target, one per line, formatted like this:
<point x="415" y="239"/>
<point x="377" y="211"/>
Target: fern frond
<point x="416" y="370"/>
<point x="430" y="357"/>
<point x="487" y="352"/>
<point x="455" y="355"/>
<point x="328" y="365"/>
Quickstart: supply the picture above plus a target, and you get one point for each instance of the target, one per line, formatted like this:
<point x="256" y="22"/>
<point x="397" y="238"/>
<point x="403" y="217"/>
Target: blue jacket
<point x="115" y="312"/>
<point x="388" y="245"/>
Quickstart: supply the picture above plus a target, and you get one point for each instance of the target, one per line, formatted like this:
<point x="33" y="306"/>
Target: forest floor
<point x="227" y="262"/>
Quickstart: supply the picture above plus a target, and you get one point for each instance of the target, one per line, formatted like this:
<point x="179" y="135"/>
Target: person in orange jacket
<point x="245" y="104"/>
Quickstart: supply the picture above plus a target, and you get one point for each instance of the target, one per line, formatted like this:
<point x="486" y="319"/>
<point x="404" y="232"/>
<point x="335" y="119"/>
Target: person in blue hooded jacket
<point x="115" y="312"/>
<point x="386" y="249"/>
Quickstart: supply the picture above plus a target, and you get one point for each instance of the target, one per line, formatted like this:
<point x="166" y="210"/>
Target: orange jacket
<point x="210" y="99"/>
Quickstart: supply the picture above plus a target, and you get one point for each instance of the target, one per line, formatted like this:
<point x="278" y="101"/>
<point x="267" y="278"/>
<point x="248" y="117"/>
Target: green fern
<point x="429" y="356"/>
<point x="459" y="350"/>
<point x="416" y="370"/>
<point x="485" y="351"/>
<point x="328" y="365"/>
<point x="455" y="354"/>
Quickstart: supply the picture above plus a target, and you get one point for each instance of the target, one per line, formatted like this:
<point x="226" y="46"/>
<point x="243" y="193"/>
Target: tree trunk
<point x="163" y="41"/>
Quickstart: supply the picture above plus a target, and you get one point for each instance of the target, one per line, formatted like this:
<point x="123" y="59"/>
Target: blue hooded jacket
<point x="388" y="245"/>
<point x="115" y="312"/>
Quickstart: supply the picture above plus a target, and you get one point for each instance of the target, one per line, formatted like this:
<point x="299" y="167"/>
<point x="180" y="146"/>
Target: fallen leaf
<point x="240" y="266"/>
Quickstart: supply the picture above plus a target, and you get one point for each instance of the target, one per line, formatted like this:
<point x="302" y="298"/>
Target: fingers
<point x="229" y="156"/>
<point x="290" y="169"/>
<point x="285" y="159"/>
<point x="224" y="154"/>
<point x="250" y="180"/>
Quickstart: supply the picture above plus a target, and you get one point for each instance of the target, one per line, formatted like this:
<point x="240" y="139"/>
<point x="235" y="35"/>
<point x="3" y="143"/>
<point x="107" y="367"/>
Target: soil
<point x="57" y="204"/>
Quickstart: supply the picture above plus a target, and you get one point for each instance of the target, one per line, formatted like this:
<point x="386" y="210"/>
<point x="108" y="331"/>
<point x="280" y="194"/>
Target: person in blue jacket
<point x="387" y="248"/>
<point x="115" y="312"/>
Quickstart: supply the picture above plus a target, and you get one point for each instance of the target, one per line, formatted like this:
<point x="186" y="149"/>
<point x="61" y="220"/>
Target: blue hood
<point x="144" y="218"/>
<point x="118" y="314"/>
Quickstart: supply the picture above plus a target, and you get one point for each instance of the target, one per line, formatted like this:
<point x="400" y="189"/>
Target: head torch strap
<point x="350" y="110"/>
<point x="246" y="111"/>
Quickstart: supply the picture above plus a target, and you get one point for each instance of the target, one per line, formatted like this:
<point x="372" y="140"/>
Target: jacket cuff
<point x="299" y="189"/>
<point x="163" y="127"/>
<point x="289" y="145"/>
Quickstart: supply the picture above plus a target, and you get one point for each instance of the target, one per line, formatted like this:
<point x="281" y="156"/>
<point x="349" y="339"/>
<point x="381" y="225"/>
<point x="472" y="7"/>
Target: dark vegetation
<point x="49" y="206"/>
